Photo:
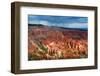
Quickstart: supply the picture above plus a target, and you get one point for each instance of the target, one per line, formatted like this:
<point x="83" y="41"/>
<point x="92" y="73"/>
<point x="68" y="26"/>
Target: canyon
<point x="49" y="42"/>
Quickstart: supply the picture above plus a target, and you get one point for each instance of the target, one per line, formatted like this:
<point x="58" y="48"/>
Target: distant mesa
<point x="36" y="25"/>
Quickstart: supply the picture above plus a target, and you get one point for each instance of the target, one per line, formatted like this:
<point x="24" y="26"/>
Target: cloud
<point x="76" y="25"/>
<point x="44" y="22"/>
<point x="33" y="22"/>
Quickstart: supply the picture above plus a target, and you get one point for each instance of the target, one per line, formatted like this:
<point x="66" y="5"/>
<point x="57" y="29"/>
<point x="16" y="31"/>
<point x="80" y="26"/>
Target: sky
<point x="59" y="21"/>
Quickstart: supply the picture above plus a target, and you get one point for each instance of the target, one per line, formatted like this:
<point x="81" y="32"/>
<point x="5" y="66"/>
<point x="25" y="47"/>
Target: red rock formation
<point x="60" y="43"/>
